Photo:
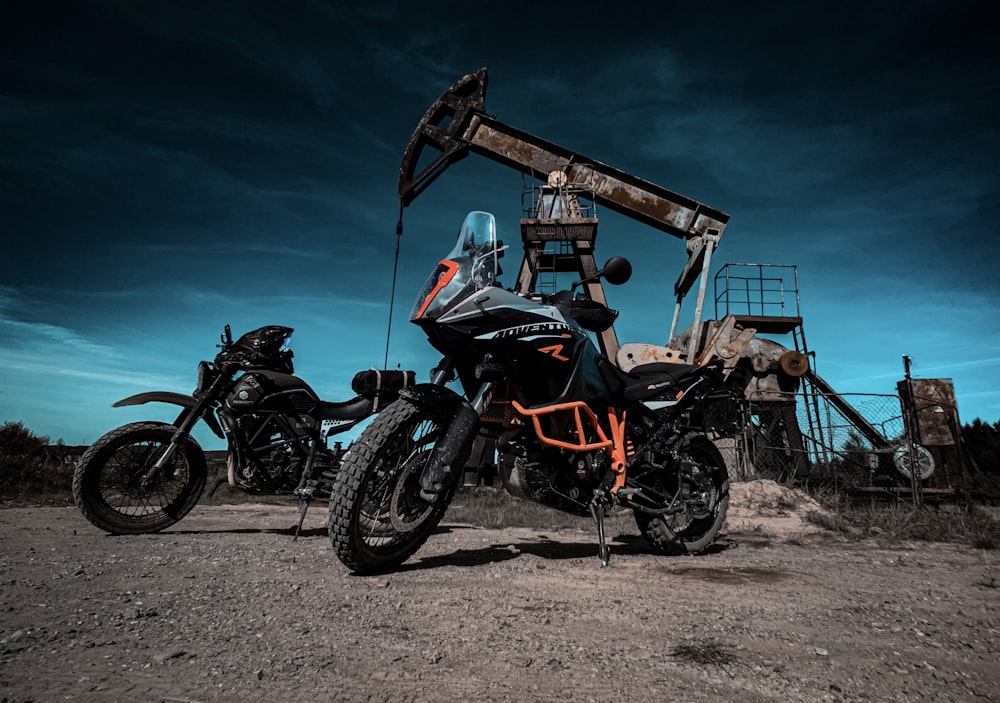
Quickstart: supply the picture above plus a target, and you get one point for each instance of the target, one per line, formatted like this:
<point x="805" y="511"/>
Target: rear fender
<point x="170" y="398"/>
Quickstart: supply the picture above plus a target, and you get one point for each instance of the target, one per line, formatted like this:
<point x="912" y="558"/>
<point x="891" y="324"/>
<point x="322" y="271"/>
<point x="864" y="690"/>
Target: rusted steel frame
<point x="584" y="252"/>
<point x="695" y="265"/>
<point x="710" y="241"/>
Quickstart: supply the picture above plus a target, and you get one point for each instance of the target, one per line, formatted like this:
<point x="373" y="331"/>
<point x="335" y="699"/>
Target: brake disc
<point x="407" y="510"/>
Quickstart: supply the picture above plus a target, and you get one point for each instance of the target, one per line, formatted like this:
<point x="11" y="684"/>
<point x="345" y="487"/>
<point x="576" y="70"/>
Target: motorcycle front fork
<point x="185" y="422"/>
<point x="148" y="481"/>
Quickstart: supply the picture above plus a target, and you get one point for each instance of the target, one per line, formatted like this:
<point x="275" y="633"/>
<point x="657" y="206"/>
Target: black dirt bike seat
<point x="353" y="409"/>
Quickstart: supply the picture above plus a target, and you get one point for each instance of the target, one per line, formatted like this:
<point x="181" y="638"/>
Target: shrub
<point x="30" y="469"/>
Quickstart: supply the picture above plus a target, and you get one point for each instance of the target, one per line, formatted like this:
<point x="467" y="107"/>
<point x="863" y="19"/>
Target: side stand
<point x="305" y="497"/>
<point x="597" y="507"/>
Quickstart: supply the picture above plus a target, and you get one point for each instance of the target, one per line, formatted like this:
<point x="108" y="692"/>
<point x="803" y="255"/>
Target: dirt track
<point x="226" y="607"/>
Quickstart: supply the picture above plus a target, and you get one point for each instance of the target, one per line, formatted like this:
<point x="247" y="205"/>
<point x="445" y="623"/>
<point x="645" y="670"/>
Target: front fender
<point x="185" y="401"/>
<point x="452" y="449"/>
<point x="433" y="394"/>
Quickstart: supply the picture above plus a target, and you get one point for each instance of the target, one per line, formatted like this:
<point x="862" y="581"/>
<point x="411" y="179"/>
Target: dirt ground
<point x="227" y="607"/>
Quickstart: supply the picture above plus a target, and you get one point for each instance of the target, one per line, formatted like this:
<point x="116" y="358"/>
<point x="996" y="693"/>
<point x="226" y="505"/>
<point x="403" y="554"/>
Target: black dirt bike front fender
<point x="169" y="397"/>
<point x="452" y="449"/>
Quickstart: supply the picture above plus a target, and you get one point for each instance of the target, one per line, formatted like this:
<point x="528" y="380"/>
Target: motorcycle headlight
<point x="205" y="377"/>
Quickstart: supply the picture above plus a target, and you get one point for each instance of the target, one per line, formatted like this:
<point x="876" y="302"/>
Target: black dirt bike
<point x="571" y="429"/>
<point x="145" y="476"/>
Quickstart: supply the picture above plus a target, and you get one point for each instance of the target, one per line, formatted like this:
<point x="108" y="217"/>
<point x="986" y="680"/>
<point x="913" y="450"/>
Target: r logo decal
<point x="555" y="351"/>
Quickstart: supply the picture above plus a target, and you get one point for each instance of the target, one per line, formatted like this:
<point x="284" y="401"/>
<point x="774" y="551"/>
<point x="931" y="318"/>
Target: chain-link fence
<point x="851" y="441"/>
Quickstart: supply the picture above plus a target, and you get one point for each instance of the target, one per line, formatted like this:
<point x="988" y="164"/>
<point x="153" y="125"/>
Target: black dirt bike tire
<point x="700" y="533"/>
<point x="358" y="469"/>
<point x="87" y="481"/>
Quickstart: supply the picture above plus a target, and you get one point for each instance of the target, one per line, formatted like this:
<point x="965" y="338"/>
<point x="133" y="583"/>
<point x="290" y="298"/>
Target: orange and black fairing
<point x="471" y="265"/>
<point x="439" y="280"/>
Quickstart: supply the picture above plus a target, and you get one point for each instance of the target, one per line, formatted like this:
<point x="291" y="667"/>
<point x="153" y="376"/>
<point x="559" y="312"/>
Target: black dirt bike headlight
<point x="205" y="377"/>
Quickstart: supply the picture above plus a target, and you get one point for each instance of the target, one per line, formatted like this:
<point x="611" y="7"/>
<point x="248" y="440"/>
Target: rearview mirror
<point x="616" y="271"/>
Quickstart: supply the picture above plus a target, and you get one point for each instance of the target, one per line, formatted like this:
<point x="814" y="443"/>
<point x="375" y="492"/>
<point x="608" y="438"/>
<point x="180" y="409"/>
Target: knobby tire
<point x="700" y="532"/>
<point x="368" y="489"/>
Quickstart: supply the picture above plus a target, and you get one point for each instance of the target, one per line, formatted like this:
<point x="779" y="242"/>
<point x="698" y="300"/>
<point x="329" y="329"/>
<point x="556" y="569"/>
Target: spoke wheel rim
<point x="407" y="510"/>
<point x="119" y="482"/>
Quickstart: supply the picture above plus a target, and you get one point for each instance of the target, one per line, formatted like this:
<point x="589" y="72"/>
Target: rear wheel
<point x="377" y="517"/>
<point x="107" y="481"/>
<point x="703" y="484"/>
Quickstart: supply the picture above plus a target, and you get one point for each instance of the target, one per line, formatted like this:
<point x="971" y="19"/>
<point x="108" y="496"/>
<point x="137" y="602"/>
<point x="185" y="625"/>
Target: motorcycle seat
<point x="353" y="409"/>
<point x="652" y="380"/>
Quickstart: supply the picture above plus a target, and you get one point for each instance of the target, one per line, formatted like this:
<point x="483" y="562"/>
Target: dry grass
<point x="47" y="480"/>
<point x="899" y="522"/>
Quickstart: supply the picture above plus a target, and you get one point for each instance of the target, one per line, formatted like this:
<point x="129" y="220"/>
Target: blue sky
<point x="168" y="168"/>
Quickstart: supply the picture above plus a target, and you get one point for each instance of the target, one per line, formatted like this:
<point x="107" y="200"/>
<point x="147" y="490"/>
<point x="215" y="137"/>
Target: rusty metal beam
<point x="436" y="142"/>
<point x="633" y="197"/>
<point x="457" y="123"/>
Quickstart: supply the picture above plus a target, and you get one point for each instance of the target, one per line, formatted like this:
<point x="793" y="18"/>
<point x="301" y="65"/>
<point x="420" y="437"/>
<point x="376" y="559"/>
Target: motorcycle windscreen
<point x="472" y="264"/>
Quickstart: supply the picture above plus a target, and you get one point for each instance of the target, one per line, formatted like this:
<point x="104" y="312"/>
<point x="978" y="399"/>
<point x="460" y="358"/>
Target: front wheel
<point x="107" y="483"/>
<point x="701" y="483"/>
<point x="377" y="517"/>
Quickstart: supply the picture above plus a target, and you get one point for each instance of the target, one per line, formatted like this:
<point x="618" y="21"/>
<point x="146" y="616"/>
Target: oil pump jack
<point x="457" y="124"/>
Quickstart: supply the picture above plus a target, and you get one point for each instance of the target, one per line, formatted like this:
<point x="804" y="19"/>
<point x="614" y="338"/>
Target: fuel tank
<point x="550" y="358"/>
<point x="271" y="391"/>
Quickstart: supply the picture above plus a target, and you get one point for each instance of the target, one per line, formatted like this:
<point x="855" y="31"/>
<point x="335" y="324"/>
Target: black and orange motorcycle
<point x="571" y="430"/>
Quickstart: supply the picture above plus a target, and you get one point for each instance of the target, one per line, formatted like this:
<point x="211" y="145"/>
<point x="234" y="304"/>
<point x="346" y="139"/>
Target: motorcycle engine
<point x="557" y="478"/>
<point x="276" y="459"/>
<point x="521" y="477"/>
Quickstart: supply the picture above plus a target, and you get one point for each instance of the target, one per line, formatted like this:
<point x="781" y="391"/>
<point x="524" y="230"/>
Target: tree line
<point x="982" y="443"/>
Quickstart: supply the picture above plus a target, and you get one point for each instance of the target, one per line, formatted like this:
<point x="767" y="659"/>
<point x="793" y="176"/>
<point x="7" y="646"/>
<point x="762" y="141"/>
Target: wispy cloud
<point x="48" y="352"/>
<point x="946" y="370"/>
